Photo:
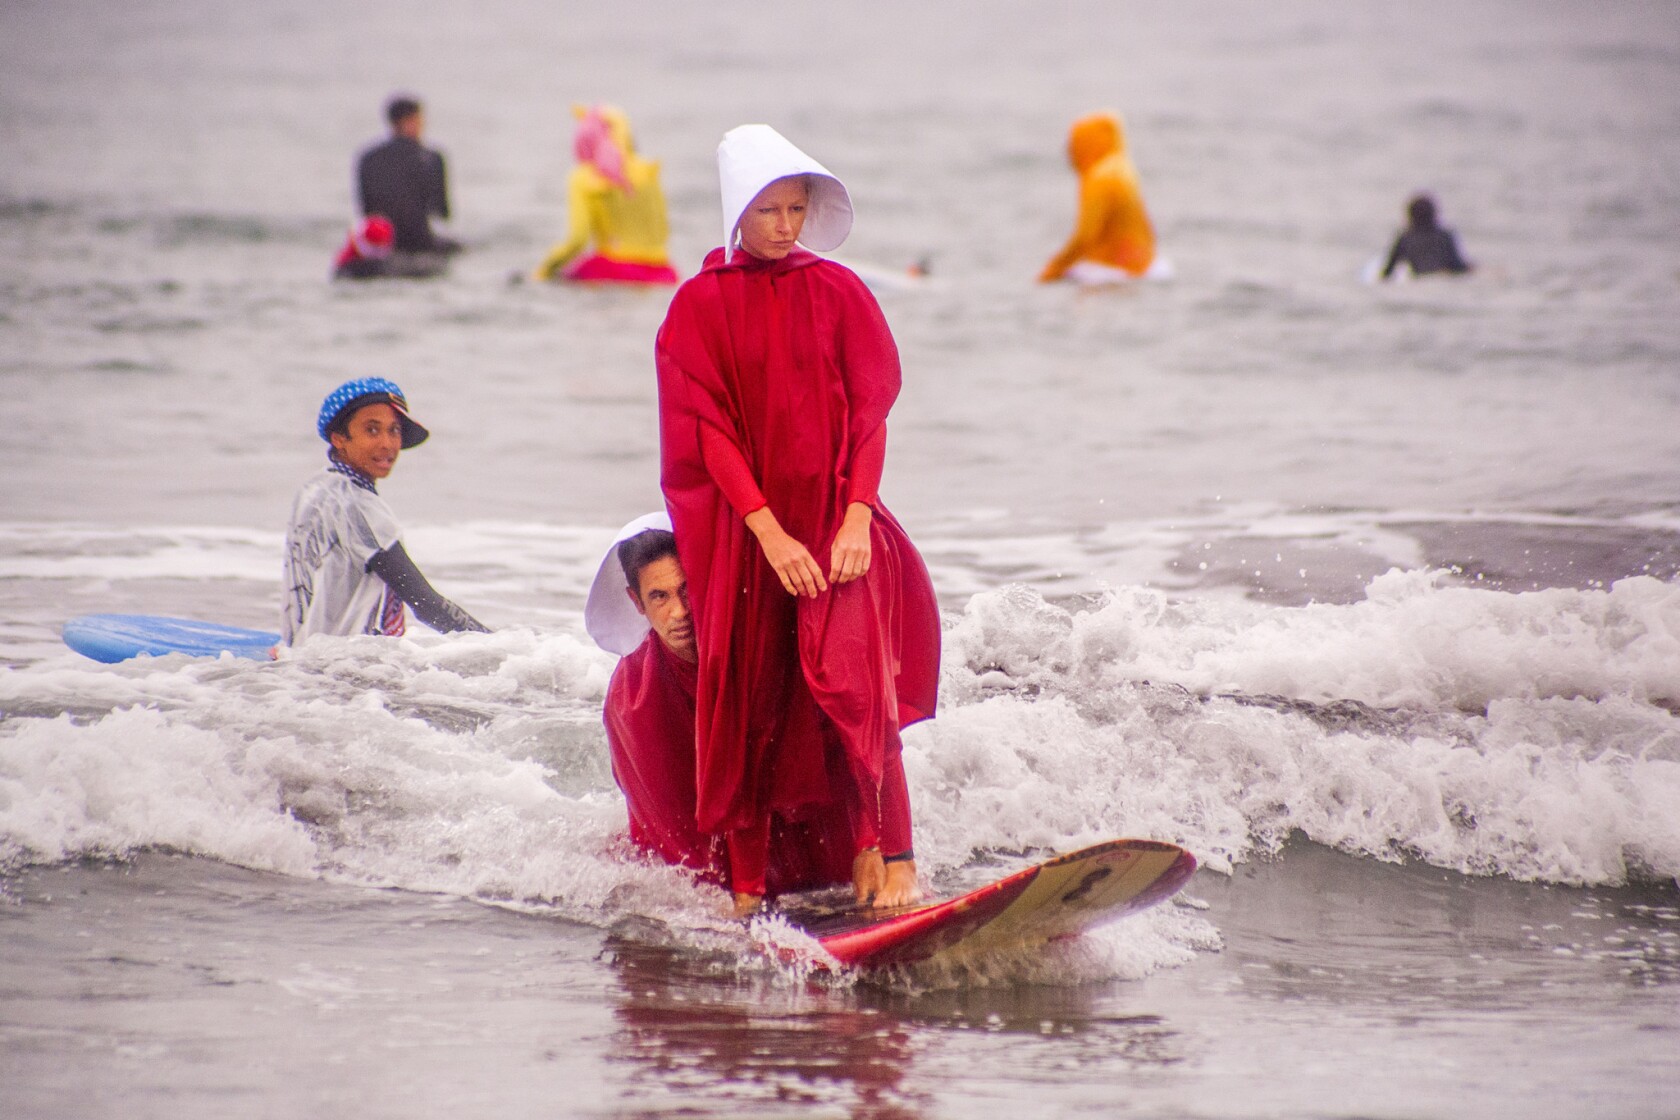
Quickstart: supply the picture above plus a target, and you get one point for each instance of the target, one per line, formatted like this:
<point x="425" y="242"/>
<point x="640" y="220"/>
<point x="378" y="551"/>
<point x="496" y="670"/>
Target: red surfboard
<point x="1058" y="898"/>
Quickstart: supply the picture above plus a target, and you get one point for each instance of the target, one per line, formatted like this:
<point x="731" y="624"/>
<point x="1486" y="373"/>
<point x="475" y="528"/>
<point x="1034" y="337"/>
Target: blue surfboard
<point x="118" y="637"/>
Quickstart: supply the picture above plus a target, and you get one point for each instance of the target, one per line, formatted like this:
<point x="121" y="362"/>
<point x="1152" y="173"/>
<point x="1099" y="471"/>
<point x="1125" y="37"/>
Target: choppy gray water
<point x="1261" y="559"/>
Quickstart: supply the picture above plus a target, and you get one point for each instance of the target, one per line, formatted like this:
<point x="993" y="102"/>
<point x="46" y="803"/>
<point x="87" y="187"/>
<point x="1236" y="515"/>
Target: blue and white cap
<point x="364" y="391"/>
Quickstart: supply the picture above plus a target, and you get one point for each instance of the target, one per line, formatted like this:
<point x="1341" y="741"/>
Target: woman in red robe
<point x="816" y="623"/>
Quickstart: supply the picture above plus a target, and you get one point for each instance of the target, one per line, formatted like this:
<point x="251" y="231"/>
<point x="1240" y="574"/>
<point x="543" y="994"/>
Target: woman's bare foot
<point x="746" y="905"/>
<point x="869" y="876"/>
<point x="901" y="888"/>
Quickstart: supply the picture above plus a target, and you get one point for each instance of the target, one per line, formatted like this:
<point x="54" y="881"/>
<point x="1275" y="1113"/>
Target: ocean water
<point x="1368" y="595"/>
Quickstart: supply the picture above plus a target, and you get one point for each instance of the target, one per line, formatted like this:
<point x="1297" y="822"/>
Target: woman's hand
<point x="790" y="559"/>
<point x="850" y="556"/>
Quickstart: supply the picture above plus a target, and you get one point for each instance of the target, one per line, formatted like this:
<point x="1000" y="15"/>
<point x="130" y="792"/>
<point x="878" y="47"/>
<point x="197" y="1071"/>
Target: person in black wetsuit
<point x="1424" y="245"/>
<point x="406" y="182"/>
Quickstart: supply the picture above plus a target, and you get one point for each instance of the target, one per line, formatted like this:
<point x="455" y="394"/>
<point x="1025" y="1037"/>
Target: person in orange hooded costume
<point x="1113" y="230"/>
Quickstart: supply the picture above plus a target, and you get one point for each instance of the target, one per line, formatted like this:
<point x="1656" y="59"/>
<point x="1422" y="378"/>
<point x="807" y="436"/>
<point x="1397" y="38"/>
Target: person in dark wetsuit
<point x="346" y="571"/>
<point x="405" y="181"/>
<point x="1424" y="245"/>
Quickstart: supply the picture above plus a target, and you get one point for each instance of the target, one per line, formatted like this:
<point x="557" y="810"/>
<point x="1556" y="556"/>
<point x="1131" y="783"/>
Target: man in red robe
<point x="649" y="711"/>
<point x="776" y="373"/>
<point x="649" y="717"/>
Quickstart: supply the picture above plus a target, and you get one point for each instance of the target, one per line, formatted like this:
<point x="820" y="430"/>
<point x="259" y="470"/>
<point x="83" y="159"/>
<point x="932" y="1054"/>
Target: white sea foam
<point x="1412" y="642"/>
<point x="1527" y="735"/>
<point x="139" y="779"/>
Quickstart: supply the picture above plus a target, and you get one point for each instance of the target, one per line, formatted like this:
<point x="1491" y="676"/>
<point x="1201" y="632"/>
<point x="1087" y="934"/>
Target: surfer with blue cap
<point x="346" y="571"/>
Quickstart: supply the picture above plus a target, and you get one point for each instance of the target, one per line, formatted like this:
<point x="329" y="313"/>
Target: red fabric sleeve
<point x="792" y="363"/>
<point x="870" y="366"/>
<point x="729" y="470"/>
<point x="869" y="459"/>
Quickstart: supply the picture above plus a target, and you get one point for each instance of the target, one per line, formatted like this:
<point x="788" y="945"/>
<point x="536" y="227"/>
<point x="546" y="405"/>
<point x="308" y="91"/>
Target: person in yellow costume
<point x="617" y="208"/>
<point x="1112" y="239"/>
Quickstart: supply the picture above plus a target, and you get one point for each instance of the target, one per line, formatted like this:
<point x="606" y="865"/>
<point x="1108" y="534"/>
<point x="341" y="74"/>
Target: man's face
<point x="663" y="601"/>
<point x="374" y="440"/>
<point x="773" y="221"/>
<point x="412" y="125"/>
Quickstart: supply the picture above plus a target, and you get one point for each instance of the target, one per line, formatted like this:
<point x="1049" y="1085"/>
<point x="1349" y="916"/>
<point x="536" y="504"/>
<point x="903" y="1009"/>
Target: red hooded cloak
<point x="775" y="379"/>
